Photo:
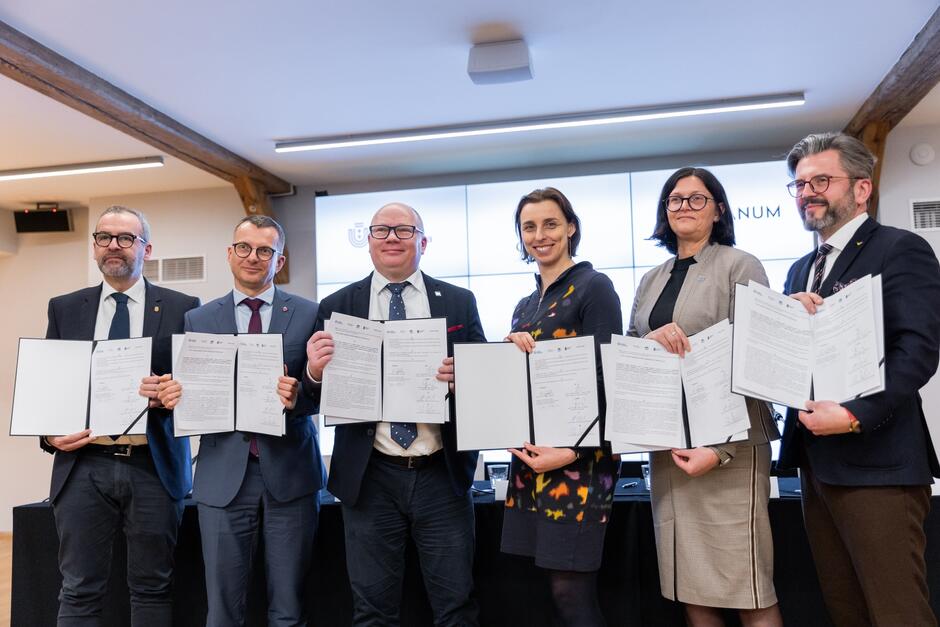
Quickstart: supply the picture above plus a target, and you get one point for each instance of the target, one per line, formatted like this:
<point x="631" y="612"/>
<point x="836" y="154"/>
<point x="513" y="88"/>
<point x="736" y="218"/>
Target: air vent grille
<point x="176" y="269"/>
<point x="925" y="215"/>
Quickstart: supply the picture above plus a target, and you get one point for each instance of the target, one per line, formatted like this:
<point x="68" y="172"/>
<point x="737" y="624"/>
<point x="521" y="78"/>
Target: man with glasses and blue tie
<point x="250" y="485"/>
<point x="866" y="464"/>
<point x="397" y="480"/>
<point x="135" y="483"/>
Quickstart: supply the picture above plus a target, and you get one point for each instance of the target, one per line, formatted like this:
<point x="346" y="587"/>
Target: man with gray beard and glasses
<point x="135" y="483"/>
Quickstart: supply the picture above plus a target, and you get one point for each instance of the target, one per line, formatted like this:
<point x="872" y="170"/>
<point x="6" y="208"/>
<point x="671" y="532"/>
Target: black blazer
<point x="894" y="447"/>
<point x="72" y="317"/>
<point x="353" y="443"/>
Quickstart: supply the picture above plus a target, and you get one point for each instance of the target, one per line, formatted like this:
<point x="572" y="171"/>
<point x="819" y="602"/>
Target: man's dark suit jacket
<point x="290" y="464"/>
<point x="353" y="443"/>
<point x="72" y="317"/>
<point x="894" y="447"/>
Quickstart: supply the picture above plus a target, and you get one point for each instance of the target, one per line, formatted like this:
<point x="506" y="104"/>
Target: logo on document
<point x="358" y="234"/>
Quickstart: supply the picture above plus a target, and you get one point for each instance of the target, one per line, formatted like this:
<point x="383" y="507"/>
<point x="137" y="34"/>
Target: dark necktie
<point x="819" y="265"/>
<point x="254" y="326"/>
<point x="121" y="322"/>
<point x="404" y="433"/>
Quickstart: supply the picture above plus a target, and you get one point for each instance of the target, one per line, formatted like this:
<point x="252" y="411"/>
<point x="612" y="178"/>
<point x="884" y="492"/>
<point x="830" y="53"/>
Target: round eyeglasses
<point x="264" y="253"/>
<point x="818" y="184"/>
<point x="124" y="240"/>
<point x="696" y="202"/>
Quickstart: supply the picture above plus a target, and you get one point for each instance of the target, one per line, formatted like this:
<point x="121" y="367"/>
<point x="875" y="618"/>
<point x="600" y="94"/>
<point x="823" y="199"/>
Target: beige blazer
<point x="707" y="297"/>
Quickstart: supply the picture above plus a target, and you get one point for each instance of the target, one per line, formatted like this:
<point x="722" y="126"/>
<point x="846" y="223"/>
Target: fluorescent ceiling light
<point x="571" y="120"/>
<point x="82" y="168"/>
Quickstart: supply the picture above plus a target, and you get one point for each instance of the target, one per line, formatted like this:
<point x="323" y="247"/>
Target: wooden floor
<point x="6" y="576"/>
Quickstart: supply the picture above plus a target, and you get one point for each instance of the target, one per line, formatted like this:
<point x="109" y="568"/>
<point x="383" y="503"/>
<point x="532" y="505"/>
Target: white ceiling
<point x="246" y="73"/>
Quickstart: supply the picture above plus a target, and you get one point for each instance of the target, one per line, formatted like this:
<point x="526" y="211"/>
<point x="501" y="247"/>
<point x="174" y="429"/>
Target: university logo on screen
<point x="358" y="235"/>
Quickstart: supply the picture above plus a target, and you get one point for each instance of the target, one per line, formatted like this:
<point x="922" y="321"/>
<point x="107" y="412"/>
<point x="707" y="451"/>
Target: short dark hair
<point x="549" y="193"/>
<point x="722" y="231"/>
<point x="266" y="222"/>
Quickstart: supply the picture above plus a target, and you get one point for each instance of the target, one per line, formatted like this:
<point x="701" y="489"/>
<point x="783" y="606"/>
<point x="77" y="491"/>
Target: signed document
<point x="205" y="367"/>
<point x="97" y="386"/>
<point x="563" y="375"/>
<point x="260" y="364"/>
<point x="785" y="355"/>
<point x="352" y="381"/>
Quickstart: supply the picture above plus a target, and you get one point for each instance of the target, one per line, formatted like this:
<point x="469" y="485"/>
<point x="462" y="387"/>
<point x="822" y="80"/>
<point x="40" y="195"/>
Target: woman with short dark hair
<point x="713" y="536"/>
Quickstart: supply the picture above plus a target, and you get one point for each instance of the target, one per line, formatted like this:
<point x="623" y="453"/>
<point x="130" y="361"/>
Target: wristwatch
<point x="724" y="457"/>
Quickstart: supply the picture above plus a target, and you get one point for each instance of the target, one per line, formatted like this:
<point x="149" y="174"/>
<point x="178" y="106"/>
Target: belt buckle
<point x="127" y="450"/>
<point x="411" y="462"/>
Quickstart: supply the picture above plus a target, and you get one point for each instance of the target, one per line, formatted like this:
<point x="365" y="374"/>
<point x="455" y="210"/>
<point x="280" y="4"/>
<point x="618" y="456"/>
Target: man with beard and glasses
<point x="135" y="483"/>
<point x="866" y="464"/>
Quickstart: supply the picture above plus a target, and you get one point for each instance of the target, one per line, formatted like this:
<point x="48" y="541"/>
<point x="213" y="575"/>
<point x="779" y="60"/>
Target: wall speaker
<point x="43" y="221"/>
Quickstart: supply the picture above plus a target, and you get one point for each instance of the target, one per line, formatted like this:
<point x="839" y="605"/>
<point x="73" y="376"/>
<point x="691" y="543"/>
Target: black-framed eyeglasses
<point x="819" y="184"/>
<point x="264" y="253"/>
<point x="124" y="240"/>
<point x="402" y="231"/>
<point x="697" y="202"/>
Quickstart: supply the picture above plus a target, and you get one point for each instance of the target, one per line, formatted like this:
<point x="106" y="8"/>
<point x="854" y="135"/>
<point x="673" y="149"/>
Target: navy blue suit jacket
<point x="894" y="447"/>
<point x="290" y="464"/>
<point x="353" y="444"/>
<point x="72" y="317"/>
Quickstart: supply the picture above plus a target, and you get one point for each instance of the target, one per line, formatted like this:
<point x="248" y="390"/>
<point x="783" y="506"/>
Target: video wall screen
<point x="473" y="244"/>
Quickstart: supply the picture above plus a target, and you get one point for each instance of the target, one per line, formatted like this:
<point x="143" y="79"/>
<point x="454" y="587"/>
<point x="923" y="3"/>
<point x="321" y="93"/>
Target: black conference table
<point x="510" y="590"/>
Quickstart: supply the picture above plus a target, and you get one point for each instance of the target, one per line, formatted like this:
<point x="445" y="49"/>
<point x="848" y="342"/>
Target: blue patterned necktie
<point x="121" y="321"/>
<point x="404" y="433"/>
<point x="819" y="265"/>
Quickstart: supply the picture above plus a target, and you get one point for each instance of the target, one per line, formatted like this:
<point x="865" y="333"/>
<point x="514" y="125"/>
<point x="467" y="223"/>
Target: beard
<point x="125" y="269"/>
<point x="837" y="212"/>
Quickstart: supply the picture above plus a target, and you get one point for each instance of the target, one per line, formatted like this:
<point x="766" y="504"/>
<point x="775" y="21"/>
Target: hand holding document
<point x="786" y="355"/>
<point x="65" y="386"/>
<point x="506" y="396"/>
<point x="644" y="384"/>
<point x="384" y="371"/>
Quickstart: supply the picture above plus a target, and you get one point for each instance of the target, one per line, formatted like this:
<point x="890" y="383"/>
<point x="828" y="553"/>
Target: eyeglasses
<point x="402" y="231"/>
<point x="818" y="184"/>
<point x="124" y="240"/>
<point x="264" y="253"/>
<point x="696" y="202"/>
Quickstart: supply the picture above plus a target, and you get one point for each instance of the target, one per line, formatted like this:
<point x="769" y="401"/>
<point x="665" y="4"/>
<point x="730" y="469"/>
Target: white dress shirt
<point x="838" y="240"/>
<point x="415" y="296"/>
<point x="136" y="297"/>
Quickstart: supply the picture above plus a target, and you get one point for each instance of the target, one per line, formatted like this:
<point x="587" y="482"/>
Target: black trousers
<point x="105" y="493"/>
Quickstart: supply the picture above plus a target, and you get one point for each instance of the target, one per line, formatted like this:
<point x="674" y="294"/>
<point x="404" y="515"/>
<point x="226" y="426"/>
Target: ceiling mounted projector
<point x="499" y="62"/>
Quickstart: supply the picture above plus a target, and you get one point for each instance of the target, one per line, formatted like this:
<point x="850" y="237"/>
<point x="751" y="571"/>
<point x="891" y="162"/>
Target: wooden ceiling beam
<point x="29" y="62"/>
<point x="905" y="85"/>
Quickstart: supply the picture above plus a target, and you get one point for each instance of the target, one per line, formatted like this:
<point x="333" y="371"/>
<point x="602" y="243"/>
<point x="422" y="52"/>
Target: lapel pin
<point x="156" y="308"/>
<point x="859" y="243"/>
<point x="437" y="293"/>
<point x="284" y="308"/>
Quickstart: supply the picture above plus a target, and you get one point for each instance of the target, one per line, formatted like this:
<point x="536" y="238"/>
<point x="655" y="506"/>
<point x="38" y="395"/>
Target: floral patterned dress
<point x="559" y="517"/>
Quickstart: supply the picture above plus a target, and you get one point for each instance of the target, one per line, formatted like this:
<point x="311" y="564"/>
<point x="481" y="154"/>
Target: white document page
<point x="50" y="395"/>
<point x="492" y="396"/>
<point x="260" y="364"/>
<point x="117" y="366"/>
<point x="878" y="304"/>
<point x="644" y="394"/>
<point x="177" y="345"/>
<point x="773" y="348"/>
<point x="563" y="379"/>
<point x="715" y="412"/>
<point x="413" y="351"/>
<point x="617" y="447"/>
<point x="205" y="367"/>
<point x="352" y="381"/>
<point x="847" y="354"/>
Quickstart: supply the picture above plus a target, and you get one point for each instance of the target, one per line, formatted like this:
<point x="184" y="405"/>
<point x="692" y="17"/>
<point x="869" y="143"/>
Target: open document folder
<point x="785" y="355"/>
<point x="384" y="371"/>
<point x="229" y="383"/>
<point x="644" y="384"/>
<point x="506" y="396"/>
<point x="66" y="386"/>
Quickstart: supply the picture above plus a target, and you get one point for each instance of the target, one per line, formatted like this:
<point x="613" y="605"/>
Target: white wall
<point x="901" y="182"/>
<point x="182" y="223"/>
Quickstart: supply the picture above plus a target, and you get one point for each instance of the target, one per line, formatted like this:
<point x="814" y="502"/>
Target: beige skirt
<point x="713" y="535"/>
